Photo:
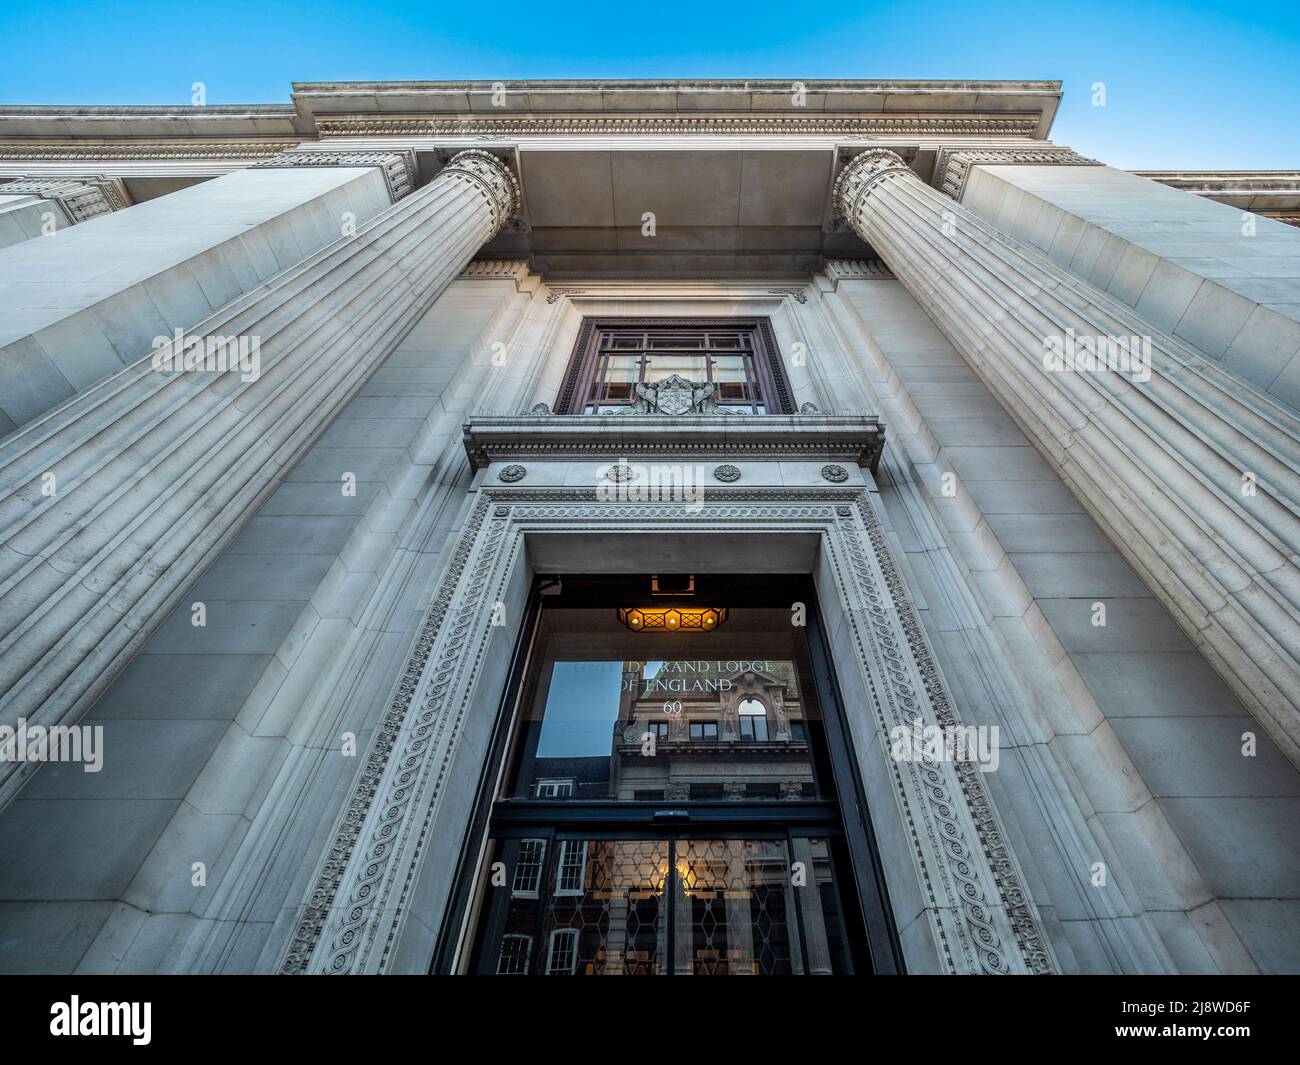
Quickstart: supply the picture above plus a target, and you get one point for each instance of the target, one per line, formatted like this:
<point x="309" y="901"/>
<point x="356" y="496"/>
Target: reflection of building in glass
<point x="706" y="729"/>
<point x="739" y="905"/>
<point x="710" y="730"/>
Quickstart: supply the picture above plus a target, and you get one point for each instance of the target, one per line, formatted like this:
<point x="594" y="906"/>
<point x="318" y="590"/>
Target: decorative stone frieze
<point x="80" y="198"/>
<point x="511" y="126"/>
<point x="157" y="471"/>
<point x="133" y="151"/>
<point x="398" y="166"/>
<point x="727" y="473"/>
<point x="1158" y="455"/>
<point x="953" y="164"/>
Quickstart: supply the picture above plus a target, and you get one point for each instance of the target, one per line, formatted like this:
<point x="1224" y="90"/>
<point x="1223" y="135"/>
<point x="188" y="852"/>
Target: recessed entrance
<point x="671" y="802"/>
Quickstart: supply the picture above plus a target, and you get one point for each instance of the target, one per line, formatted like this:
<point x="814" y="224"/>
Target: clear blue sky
<point x="1213" y="85"/>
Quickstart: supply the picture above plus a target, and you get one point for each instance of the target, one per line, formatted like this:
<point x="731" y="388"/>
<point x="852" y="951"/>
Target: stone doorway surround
<point x="802" y="501"/>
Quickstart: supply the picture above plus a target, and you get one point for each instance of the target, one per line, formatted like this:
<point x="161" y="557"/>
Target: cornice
<point x="1271" y="194"/>
<point x="850" y="438"/>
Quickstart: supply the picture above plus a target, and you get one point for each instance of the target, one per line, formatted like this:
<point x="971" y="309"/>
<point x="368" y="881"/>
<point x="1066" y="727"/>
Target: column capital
<point x="861" y="173"/>
<point x="398" y="165"/>
<point x="80" y="198"/>
<point x="952" y="166"/>
<point x="493" y="175"/>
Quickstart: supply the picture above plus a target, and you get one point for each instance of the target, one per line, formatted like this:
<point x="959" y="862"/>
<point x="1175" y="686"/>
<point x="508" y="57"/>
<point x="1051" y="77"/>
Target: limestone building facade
<point x="522" y="528"/>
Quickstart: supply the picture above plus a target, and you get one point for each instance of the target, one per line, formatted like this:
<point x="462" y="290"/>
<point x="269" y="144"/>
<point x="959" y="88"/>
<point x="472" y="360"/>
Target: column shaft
<point x="115" y="502"/>
<point x="1191" y="472"/>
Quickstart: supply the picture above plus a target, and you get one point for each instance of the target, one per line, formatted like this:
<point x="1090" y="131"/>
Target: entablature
<point x="610" y="439"/>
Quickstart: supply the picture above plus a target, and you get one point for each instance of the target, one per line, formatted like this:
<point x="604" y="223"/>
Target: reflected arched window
<point x="753" y="720"/>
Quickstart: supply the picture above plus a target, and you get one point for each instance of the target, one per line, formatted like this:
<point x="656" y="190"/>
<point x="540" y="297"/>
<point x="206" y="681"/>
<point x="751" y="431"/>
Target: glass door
<point x="763" y="906"/>
<point x="669" y="802"/>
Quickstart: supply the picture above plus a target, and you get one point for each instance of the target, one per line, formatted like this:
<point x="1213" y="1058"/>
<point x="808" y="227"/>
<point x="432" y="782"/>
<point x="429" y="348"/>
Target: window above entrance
<point x="675" y="366"/>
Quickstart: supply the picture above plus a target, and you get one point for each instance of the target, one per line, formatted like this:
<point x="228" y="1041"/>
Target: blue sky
<point x="1212" y="85"/>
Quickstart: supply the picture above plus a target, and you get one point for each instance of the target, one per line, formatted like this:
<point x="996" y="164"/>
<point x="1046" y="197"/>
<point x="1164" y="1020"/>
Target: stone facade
<point x="287" y="786"/>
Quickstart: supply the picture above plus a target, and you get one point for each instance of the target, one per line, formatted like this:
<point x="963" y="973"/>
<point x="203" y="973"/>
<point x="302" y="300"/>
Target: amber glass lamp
<point x="672" y="618"/>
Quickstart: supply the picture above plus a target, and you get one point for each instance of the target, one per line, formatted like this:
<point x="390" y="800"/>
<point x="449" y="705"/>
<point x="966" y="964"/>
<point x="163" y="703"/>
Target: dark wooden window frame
<point x="579" y="375"/>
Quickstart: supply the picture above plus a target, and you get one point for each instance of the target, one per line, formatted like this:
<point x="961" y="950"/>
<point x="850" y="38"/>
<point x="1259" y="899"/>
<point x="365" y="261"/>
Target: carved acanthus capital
<point x="398" y="166"/>
<point x="495" y="178"/>
<point x="80" y="198"/>
<point x="862" y="172"/>
<point x="953" y="166"/>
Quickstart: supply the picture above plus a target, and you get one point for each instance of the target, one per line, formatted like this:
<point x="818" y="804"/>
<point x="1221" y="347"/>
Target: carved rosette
<point x="493" y="176"/>
<point x="863" y="172"/>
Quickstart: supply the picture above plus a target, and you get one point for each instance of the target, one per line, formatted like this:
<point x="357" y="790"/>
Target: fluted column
<point x="111" y="505"/>
<point x="1192" y="473"/>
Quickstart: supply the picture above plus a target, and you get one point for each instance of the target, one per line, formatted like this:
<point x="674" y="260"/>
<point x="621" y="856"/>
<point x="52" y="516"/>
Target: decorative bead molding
<point x="535" y="125"/>
<point x="80" y="198"/>
<point x="952" y="167"/>
<point x="398" y="166"/>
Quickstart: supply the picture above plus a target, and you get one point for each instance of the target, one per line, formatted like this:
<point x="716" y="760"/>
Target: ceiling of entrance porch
<point x="697" y="212"/>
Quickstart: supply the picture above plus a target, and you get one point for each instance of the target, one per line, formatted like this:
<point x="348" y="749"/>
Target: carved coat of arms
<point x="674" y="395"/>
